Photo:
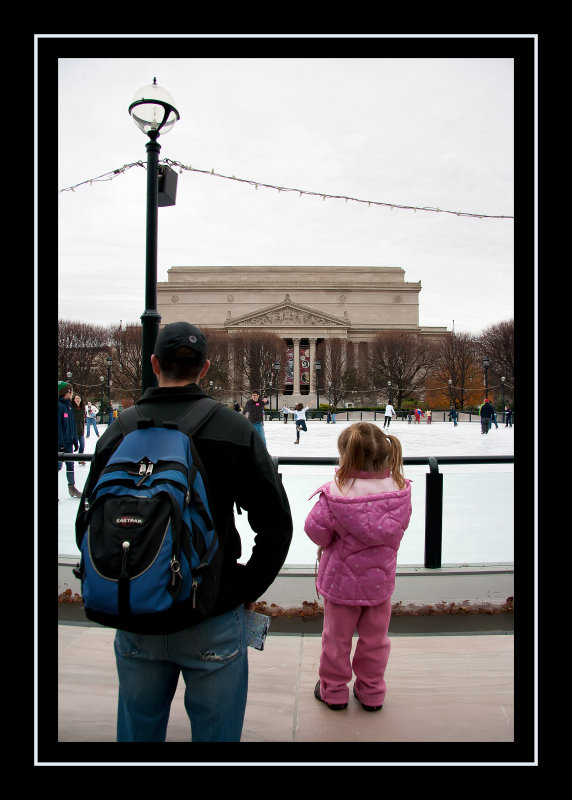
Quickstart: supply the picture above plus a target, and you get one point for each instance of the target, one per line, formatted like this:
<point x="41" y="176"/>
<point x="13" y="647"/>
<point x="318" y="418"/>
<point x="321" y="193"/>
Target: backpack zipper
<point x="125" y="545"/>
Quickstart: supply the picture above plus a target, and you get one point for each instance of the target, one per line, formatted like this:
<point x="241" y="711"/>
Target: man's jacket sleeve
<point x="261" y="494"/>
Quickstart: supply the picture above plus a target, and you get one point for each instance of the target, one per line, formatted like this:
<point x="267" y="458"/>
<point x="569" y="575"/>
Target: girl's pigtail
<point x="395" y="460"/>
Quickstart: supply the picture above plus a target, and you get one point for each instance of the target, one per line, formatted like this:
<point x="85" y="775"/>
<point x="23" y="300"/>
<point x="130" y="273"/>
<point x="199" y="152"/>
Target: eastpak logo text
<point x="128" y="522"/>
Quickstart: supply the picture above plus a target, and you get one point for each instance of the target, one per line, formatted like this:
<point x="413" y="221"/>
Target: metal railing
<point x="433" y="487"/>
<point x="348" y="414"/>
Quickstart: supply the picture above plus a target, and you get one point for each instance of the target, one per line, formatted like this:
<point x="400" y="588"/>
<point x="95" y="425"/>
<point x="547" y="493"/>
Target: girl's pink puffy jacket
<point x="361" y="531"/>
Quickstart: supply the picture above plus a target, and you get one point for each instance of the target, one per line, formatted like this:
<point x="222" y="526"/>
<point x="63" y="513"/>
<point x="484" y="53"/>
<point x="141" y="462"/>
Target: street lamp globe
<point x="153" y="110"/>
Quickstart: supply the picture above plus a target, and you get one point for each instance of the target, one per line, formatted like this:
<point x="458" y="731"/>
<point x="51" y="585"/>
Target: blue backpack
<point x="150" y="554"/>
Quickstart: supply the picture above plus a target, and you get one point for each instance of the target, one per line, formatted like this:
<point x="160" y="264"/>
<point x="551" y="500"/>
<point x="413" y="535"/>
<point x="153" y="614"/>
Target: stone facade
<point x="302" y="305"/>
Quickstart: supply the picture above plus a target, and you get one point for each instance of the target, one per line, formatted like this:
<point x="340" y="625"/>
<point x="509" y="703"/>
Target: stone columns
<point x="296" y="343"/>
<point x="313" y="366"/>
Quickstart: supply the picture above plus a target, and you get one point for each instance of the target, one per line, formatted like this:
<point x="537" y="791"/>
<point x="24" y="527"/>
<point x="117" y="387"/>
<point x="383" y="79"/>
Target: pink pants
<point x="370" y="656"/>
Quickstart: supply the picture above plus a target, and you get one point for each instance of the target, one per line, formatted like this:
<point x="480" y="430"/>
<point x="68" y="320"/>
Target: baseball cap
<point x="180" y="334"/>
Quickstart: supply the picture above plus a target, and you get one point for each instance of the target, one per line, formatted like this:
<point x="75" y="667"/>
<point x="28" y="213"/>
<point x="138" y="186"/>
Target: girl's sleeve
<point x="319" y="525"/>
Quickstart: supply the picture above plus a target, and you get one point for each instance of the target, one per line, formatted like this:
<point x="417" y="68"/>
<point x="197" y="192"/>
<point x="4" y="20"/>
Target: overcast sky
<point x="434" y="132"/>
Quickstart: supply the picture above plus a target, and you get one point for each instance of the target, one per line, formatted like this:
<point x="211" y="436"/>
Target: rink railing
<point x="359" y="414"/>
<point x="433" y="487"/>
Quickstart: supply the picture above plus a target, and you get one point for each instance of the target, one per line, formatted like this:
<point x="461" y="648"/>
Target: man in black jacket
<point x="211" y="654"/>
<point x="486" y="413"/>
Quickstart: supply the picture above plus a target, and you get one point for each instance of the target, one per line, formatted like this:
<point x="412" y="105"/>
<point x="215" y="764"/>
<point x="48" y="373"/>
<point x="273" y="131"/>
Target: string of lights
<point x="108" y="176"/>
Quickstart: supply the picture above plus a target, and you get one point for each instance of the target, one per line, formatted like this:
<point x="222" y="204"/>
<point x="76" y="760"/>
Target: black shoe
<point x="333" y="706"/>
<point x="363" y="705"/>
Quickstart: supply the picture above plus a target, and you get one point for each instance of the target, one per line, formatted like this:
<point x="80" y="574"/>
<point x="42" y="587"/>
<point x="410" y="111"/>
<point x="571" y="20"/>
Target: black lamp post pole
<point x="151" y="318"/>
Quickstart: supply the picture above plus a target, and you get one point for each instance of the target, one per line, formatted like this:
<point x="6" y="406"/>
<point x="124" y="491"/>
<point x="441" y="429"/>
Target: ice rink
<point x="478" y="500"/>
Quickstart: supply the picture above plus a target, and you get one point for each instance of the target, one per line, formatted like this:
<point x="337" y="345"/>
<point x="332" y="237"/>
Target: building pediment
<point x="286" y="315"/>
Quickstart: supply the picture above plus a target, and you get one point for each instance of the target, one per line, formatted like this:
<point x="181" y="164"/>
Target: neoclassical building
<point x="302" y="305"/>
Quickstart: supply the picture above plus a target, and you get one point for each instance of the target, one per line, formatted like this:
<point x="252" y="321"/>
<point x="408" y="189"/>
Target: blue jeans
<point x="213" y="659"/>
<point x="258" y="426"/>
<point x="91" y="421"/>
<point x="68" y="448"/>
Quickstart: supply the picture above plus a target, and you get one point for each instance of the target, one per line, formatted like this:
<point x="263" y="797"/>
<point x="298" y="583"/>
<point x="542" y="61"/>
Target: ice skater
<point x="418" y="414"/>
<point x="90" y="418"/>
<point x="358" y="523"/>
<point x="254" y="409"/>
<point x="299" y="412"/>
<point x="485" y="413"/>
<point x="389" y="412"/>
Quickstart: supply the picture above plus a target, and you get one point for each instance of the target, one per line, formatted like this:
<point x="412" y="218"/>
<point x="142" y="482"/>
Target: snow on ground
<point x="478" y="500"/>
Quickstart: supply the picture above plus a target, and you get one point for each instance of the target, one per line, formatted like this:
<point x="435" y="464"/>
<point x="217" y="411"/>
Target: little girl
<point x="300" y="413"/>
<point x="358" y="523"/>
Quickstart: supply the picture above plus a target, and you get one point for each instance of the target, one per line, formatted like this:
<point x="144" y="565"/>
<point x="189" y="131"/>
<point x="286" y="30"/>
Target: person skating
<point x="299" y="413"/>
<point x="254" y="409"/>
<point x="389" y="412"/>
<point x="67" y="433"/>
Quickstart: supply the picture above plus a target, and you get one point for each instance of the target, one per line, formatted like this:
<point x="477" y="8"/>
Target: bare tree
<point x="401" y="358"/>
<point x="331" y="354"/>
<point x="220" y="356"/>
<point x="127" y="359"/>
<point x="497" y="342"/>
<point x="254" y="355"/>
<point x="82" y="348"/>
<point x="458" y="363"/>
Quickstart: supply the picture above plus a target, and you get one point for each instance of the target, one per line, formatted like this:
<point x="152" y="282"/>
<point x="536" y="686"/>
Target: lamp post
<point x="486" y="365"/>
<point x="503" y="406"/>
<point x="153" y="111"/>
<point x="101" y="382"/>
<point x="450" y="398"/>
<point x="318" y="367"/>
<point x="109" y="362"/>
<point x="389" y="391"/>
<point x="276" y="368"/>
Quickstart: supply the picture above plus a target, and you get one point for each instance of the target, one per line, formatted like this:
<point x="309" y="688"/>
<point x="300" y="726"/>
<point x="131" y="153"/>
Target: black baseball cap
<point x="180" y="334"/>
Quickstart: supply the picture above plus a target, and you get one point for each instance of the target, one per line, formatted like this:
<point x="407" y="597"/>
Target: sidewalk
<point x="450" y="688"/>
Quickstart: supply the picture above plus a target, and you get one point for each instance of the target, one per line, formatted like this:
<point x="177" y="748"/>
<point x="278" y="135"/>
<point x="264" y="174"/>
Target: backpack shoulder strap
<point x="195" y="416"/>
<point x="188" y="422"/>
<point x="133" y="418"/>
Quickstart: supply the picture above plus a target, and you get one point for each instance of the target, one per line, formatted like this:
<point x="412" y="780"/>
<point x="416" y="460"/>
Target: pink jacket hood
<point x="360" y="535"/>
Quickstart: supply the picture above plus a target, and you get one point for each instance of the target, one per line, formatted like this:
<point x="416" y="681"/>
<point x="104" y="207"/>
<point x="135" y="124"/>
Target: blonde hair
<point x="365" y="447"/>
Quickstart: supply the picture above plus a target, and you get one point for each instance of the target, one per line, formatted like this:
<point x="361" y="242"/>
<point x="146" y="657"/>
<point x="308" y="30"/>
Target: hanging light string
<point x="108" y="176"/>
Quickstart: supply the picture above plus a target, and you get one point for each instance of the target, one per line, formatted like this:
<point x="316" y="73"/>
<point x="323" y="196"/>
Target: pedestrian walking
<point x="358" y="522"/>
